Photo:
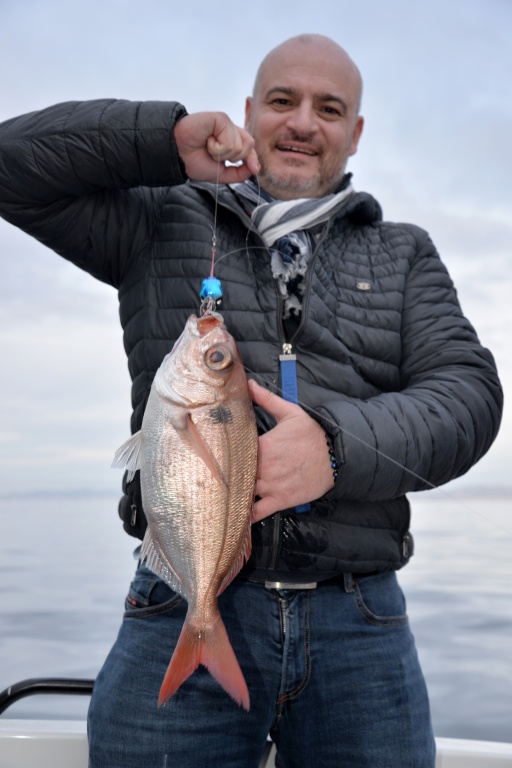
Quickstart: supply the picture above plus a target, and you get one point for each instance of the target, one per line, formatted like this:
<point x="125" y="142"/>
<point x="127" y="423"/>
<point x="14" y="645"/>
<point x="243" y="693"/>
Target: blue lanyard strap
<point x="288" y="367"/>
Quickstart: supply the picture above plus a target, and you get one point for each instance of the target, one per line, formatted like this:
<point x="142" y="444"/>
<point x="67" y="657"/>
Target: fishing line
<point x="211" y="288"/>
<point x="252" y="228"/>
<point x="431" y="486"/>
<point x="215" y="212"/>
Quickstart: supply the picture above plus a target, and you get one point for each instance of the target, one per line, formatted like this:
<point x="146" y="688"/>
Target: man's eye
<point x="331" y="111"/>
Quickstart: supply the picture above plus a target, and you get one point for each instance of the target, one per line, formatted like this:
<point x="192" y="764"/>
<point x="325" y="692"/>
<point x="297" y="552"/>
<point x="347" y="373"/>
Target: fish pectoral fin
<point x="192" y="436"/>
<point x="128" y="455"/>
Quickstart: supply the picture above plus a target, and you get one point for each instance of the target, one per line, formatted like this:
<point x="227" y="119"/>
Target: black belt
<point x="333" y="581"/>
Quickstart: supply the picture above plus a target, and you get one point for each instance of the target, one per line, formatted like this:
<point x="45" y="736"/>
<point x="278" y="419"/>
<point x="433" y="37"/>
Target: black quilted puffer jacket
<point x="386" y="360"/>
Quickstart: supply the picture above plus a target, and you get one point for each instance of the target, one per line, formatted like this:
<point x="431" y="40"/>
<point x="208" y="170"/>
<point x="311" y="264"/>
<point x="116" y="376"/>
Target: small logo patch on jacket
<point x="363" y="285"/>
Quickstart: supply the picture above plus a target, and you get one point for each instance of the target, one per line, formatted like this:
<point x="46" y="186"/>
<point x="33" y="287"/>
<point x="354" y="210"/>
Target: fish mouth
<point x="208" y="322"/>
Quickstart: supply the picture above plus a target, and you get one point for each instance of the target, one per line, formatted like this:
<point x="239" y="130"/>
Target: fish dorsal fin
<point x="128" y="455"/>
<point x="190" y="434"/>
<point x="150" y="555"/>
<point x="243" y="557"/>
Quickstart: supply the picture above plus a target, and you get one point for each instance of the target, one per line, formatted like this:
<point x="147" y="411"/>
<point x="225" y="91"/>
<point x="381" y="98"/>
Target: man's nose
<point x="303" y="119"/>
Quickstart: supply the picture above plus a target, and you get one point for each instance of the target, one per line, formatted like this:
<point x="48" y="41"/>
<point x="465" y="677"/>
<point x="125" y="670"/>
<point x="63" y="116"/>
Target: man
<point x="396" y="395"/>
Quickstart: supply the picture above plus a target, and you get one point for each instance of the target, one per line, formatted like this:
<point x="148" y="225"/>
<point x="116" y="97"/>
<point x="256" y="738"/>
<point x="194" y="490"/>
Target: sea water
<point x="66" y="563"/>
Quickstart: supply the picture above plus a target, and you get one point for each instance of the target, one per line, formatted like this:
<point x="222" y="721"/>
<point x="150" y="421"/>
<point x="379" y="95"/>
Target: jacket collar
<point x="362" y="208"/>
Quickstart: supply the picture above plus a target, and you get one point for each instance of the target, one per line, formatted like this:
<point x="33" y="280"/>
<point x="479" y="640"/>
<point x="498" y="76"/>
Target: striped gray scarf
<point x="285" y="226"/>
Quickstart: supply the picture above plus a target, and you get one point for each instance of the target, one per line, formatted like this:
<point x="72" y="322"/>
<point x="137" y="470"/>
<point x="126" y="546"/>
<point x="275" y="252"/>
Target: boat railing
<point x="44" y="685"/>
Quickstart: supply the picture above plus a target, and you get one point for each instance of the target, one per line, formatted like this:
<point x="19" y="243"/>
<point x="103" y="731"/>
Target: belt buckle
<point x="290" y="585"/>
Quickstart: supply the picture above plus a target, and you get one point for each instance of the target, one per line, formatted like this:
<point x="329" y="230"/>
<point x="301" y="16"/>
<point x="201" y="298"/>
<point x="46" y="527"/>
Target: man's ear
<point x="248" y="107"/>
<point x="358" y="129"/>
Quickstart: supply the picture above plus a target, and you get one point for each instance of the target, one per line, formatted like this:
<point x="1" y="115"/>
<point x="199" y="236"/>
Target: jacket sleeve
<point x="447" y="412"/>
<point x="82" y="178"/>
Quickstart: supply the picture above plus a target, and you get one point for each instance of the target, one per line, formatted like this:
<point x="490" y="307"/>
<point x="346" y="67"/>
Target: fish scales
<point x="186" y="541"/>
<point x="197" y="454"/>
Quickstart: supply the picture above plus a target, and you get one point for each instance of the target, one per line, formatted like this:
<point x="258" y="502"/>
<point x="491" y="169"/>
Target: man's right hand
<point x="206" y="139"/>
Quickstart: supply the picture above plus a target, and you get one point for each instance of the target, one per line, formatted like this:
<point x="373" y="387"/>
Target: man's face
<point x="303" y="117"/>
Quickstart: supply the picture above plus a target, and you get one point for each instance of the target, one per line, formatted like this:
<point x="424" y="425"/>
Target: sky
<point x="435" y="152"/>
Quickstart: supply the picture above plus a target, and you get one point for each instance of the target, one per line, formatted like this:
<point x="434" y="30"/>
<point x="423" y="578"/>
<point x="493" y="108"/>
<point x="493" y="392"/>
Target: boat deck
<point x="63" y="744"/>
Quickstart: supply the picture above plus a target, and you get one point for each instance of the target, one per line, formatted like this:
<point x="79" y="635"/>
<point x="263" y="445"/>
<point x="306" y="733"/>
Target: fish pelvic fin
<point x="210" y="647"/>
<point x="150" y="555"/>
<point x="129" y="455"/>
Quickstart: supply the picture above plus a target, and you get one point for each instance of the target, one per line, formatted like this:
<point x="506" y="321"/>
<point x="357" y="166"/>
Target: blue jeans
<point x="332" y="673"/>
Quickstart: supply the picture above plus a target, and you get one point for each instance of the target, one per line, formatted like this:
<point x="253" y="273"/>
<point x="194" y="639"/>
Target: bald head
<point x="308" y="48"/>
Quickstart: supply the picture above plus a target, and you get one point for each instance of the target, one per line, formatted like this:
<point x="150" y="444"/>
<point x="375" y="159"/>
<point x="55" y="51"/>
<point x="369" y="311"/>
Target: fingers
<point x="206" y="139"/>
<point x="272" y="403"/>
<point x="229" y="143"/>
<point x="234" y="145"/>
<point x="264" y="508"/>
<point x="252" y="162"/>
<point x="229" y="174"/>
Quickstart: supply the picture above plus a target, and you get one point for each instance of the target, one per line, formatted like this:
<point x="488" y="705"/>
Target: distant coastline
<point x="447" y="492"/>
<point x="64" y="494"/>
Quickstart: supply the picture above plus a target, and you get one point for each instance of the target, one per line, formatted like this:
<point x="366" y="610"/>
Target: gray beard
<point x="297" y="187"/>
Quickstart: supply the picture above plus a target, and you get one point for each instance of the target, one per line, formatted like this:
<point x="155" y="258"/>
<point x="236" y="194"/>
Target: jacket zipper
<point x="275" y="546"/>
<point x="287" y="351"/>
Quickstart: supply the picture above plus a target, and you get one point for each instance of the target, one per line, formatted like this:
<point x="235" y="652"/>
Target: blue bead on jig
<point x="211" y="288"/>
<point x="210" y="295"/>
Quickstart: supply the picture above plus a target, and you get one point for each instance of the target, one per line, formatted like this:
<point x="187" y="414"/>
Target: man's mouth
<point x="300" y="150"/>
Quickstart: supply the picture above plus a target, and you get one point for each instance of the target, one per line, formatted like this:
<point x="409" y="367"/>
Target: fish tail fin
<point x="219" y="658"/>
<point x="210" y="647"/>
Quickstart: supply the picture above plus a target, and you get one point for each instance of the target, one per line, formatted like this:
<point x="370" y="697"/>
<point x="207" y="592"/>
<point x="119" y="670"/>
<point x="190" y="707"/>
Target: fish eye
<point x="218" y="358"/>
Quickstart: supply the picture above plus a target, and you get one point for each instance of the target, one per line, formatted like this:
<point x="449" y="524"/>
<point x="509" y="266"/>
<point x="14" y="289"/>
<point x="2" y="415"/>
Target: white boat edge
<point x="63" y="744"/>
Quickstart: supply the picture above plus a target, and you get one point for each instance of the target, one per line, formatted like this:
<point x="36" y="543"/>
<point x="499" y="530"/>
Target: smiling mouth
<point x="297" y="150"/>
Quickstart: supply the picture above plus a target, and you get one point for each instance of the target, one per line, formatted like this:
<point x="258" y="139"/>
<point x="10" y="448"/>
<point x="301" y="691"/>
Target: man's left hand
<point x="293" y="462"/>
